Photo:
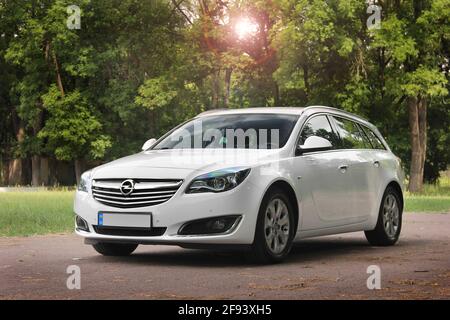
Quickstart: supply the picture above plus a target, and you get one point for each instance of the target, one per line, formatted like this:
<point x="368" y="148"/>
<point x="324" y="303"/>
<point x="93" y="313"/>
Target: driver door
<point x="322" y="182"/>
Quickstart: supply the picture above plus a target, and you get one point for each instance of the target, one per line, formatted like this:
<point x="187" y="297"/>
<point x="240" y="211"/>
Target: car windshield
<point x="238" y="131"/>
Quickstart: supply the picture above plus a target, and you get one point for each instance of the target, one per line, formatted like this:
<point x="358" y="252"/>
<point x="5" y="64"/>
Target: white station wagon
<point x="258" y="178"/>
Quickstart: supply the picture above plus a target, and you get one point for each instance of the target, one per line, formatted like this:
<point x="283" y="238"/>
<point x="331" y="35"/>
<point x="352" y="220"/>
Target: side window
<point x="351" y="136"/>
<point x="367" y="141"/>
<point x="376" y="142"/>
<point x="319" y="126"/>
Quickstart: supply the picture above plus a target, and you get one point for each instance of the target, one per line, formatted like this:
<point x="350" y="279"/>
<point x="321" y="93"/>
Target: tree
<point x="138" y="67"/>
<point x="96" y="69"/>
<point x="413" y="43"/>
<point x="72" y="130"/>
<point x="391" y="75"/>
<point x="230" y="44"/>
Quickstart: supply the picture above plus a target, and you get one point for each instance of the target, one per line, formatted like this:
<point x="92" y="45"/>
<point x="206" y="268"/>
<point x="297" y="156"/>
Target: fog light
<point x="218" y="224"/>
<point x="207" y="226"/>
<point x="81" y="224"/>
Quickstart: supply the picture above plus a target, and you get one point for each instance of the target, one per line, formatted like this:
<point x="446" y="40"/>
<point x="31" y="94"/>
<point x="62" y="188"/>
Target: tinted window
<point x="319" y="126"/>
<point x="239" y="131"/>
<point x="374" y="140"/>
<point x="351" y="136"/>
<point x="367" y="141"/>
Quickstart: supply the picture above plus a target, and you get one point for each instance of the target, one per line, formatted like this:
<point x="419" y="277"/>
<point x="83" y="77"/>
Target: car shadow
<point x="303" y="252"/>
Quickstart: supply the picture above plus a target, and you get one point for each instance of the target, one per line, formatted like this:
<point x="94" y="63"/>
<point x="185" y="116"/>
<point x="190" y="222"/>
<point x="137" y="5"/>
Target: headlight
<point x="85" y="182"/>
<point x="218" y="181"/>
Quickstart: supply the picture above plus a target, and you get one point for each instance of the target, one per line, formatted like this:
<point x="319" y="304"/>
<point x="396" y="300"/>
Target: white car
<point x="258" y="178"/>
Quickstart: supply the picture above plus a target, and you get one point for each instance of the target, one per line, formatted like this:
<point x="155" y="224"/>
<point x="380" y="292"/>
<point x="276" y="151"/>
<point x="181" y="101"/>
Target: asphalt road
<point x="332" y="267"/>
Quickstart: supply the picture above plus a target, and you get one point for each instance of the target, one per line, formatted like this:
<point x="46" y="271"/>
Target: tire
<point x="389" y="223"/>
<point x="114" y="249"/>
<point x="265" y="250"/>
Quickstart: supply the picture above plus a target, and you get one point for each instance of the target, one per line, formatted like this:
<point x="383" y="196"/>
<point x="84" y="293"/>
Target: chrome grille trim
<point x="139" y="185"/>
<point x="146" y="203"/>
<point x="134" y="193"/>
<point x="147" y="192"/>
<point x="134" y="198"/>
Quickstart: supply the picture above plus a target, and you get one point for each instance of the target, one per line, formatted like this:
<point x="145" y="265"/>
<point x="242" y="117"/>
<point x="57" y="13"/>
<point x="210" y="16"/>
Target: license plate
<point x="131" y="220"/>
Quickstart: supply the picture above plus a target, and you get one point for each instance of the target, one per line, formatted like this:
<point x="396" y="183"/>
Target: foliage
<point x="156" y="93"/>
<point x="72" y="131"/>
<point x="136" y="68"/>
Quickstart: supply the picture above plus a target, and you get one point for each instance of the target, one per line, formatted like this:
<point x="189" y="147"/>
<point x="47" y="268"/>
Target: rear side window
<point x="374" y="140"/>
<point x="319" y="126"/>
<point x="367" y="141"/>
<point x="351" y="135"/>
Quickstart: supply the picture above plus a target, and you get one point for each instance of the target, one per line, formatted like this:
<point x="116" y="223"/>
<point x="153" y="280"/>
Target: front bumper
<point x="244" y="201"/>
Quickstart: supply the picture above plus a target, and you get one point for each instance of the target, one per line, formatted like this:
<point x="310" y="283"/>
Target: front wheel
<point x="389" y="224"/>
<point x="275" y="228"/>
<point x="114" y="249"/>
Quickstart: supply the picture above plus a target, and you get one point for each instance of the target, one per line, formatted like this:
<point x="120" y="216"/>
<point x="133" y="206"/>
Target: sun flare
<point x="245" y="27"/>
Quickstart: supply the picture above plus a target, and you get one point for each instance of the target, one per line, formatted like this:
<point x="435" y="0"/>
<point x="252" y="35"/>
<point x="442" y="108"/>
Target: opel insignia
<point x="257" y="178"/>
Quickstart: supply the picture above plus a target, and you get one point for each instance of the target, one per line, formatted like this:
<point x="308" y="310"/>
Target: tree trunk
<point x="306" y="80"/>
<point x="227" y="87"/>
<point x="35" y="170"/>
<point x="4" y="174"/>
<point x="15" y="174"/>
<point x="53" y="173"/>
<point x="44" y="171"/>
<point x="423" y="133"/>
<point x="382" y="66"/>
<point x="79" y="168"/>
<point x="276" y="95"/>
<point x="418" y="129"/>
<point x="215" y="90"/>
<point x="58" y="74"/>
<point x="36" y="158"/>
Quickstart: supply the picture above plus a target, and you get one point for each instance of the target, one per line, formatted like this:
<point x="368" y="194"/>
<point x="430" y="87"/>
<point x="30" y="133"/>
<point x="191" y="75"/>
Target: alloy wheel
<point x="276" y="225"/>
<point x="391" y="216"/>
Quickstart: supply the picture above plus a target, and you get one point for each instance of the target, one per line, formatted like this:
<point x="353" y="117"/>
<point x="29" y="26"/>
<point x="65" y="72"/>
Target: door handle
<point x="376" y="163"/>
<point x="343" y="168"/>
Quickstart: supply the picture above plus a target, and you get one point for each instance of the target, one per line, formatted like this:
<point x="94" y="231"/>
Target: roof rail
<point x="337" y="109"/>
<point x="212" y="111"/>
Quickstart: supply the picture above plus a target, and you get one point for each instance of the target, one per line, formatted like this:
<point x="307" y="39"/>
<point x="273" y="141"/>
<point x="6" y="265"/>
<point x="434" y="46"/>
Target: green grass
<point x="42" y="212"/>
<point x="427" y="204"/>
<point x="434" y="198"/>
<point x="441" y="188"/>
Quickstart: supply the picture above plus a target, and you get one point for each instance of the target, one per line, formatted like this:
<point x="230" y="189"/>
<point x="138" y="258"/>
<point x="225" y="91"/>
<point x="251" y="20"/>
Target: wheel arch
<point x="289" y="190"/>
<point x="394" y="184"/>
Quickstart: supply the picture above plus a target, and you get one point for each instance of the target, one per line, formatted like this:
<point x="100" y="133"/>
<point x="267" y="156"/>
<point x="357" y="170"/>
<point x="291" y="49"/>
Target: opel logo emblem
<point x="127" y="187"/>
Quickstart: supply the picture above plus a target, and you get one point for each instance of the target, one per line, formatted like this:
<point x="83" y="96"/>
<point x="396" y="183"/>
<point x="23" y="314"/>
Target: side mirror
<point x="313" y="144"/>
<point x="149" y="143"/>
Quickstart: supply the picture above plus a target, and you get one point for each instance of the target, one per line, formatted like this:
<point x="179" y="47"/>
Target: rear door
<point x="359" y="168"/>
<point x="379" y="163"/>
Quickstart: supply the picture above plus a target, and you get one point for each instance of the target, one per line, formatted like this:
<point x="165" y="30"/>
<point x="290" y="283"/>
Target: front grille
<point x="130" y="232"/>
<point x="147" y="192"/>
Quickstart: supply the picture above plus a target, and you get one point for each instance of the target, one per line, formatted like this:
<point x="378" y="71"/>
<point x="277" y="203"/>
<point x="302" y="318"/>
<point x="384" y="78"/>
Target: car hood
<point x="179" y="164"/>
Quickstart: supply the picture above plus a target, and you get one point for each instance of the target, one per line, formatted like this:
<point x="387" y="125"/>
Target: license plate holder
<point x="125" y="220"/>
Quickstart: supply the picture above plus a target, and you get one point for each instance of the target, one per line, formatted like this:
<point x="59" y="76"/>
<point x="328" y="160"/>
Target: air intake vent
<point x="134" y="193"/>
<point x="130" y="232"/>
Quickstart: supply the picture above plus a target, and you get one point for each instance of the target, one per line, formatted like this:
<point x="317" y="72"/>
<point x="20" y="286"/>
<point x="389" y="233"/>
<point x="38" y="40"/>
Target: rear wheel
<point x="114" y="249"/>
<point x="275" y="228"/>
<point x="389" y="224"/>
